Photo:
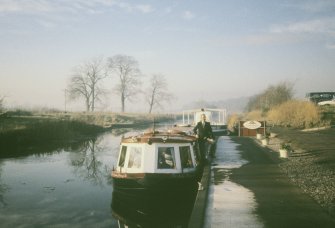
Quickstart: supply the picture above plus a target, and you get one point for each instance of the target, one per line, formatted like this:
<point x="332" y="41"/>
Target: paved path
<point x="248" y="189"/>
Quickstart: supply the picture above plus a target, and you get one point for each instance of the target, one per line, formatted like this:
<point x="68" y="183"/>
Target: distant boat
<point x="158" y="161"/>
<point x="217" y="118"/>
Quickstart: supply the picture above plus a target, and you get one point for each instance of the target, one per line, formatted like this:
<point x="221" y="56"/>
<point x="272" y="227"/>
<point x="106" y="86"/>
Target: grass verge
<point x="42" y="135"/>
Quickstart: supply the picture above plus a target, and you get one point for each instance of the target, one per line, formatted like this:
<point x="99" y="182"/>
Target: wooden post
<point x="239" y="128"/>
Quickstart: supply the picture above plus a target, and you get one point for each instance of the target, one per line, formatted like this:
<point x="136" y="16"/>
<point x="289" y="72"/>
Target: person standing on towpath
<point x="203" y="130"/>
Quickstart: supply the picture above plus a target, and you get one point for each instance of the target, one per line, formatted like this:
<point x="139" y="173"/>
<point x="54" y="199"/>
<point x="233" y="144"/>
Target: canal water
<point x="69" y="187"/>
<point x="72" y="187"/>
<point x="229" y="204"/>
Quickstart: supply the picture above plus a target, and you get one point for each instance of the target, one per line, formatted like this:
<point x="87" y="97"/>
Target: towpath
<point x="248" y="189"/>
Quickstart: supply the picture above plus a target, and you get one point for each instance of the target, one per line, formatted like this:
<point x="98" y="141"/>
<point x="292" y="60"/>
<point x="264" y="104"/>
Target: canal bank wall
<point x="199" y="209"/>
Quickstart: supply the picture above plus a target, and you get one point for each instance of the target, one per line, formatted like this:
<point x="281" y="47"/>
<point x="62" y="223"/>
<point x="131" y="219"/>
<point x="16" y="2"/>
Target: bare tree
<point x="126" y="68"/>
<point x="85" y="82"/>
<point x="272" y="96"/>
<point x="157" y="93"/>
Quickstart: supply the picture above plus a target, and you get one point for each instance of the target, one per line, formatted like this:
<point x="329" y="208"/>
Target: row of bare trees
<point x="87" y="80"/>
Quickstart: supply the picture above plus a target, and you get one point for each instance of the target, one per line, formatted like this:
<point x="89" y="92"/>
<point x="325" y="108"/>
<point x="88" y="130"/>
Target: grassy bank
<point x="23" y="133"/>
<point x="40" y="135"/>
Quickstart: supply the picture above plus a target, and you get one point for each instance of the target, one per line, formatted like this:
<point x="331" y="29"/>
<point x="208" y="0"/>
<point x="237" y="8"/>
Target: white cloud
<point x="46" y="24"/>
<point x="330" y="46"/>
<point x="323" y="25"/>
<point x="255" y="40"/>
<point x="322" y="29"/>
<point x="145" y="8"/>
<point x="318" y="6"/>
<point x="125" y="6"/>
<point x="73" y="6"/>
<point x="27" y="6"/>
<point x="188" y="15"/>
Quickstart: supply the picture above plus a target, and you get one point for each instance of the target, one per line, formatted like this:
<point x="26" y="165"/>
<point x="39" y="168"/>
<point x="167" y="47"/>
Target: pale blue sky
<point x="207" y="50"/>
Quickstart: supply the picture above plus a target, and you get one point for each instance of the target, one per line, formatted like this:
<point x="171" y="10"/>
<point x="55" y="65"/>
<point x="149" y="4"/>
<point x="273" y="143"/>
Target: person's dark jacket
<point x="203" y="132"/>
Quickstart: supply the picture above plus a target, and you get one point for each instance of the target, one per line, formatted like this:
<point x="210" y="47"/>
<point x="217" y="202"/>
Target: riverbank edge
<point x="197" y="217"/>
<point x="25" y="135"/>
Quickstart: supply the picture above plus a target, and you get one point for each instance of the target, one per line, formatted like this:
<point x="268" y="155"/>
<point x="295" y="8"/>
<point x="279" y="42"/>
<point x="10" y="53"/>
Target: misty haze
<point x="206" y="113"/>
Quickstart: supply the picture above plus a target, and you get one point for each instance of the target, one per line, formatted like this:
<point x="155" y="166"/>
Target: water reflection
<point x="84" y="160"/>
<point x="3" y="189"/>
<point x="72" y="187"/>
<point x="152" y="210"/>
<point x="67" y="187"/>
<point x="121" y="131"/>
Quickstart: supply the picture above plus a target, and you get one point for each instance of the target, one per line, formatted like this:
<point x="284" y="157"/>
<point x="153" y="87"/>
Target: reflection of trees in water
<point x="84" y="160"/>
<point x="3" y="190"/>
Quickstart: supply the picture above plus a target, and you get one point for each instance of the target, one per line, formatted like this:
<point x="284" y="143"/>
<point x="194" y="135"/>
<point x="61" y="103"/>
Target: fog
<point x="208" y="51"/>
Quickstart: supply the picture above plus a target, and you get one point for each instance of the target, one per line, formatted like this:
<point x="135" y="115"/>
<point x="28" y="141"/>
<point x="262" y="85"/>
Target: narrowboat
<point x="158" y="161"/>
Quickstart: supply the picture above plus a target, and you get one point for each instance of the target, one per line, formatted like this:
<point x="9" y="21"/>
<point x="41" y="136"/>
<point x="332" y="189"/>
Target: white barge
<point x="217" y="118"/>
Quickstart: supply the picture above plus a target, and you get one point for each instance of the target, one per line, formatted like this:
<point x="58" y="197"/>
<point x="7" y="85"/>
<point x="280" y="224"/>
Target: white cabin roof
<point x="214" y="115"/>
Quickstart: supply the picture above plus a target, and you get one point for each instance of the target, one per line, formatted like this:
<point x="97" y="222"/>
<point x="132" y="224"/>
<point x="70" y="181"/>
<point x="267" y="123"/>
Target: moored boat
<point x="157" y="161"/>
<point x="217" y="118"/>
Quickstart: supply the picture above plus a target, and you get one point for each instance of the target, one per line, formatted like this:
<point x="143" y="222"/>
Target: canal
<point x="72" y="187"/>
<point x="68" y="187"/>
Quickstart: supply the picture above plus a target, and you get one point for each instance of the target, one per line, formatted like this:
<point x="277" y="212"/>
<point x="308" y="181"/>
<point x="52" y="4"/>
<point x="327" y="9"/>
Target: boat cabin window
<point x="186" y="157"/>
<point x="122" y="158"/>
<point x="135" y="155"/>
<point x="166" y="158"/>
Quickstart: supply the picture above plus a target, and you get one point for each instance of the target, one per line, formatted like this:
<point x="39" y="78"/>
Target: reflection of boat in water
<point x="157" y="161"/>
<point x="152" y="210"/>
<point x="217" y="118"/>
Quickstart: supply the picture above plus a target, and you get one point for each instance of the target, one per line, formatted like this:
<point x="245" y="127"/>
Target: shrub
<point x="285" y="146"/>
<point x="294" y="113"/>
<point x="233" y="122"/>
<point x="19" y="112"/>
<point x="255" y="115"/>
